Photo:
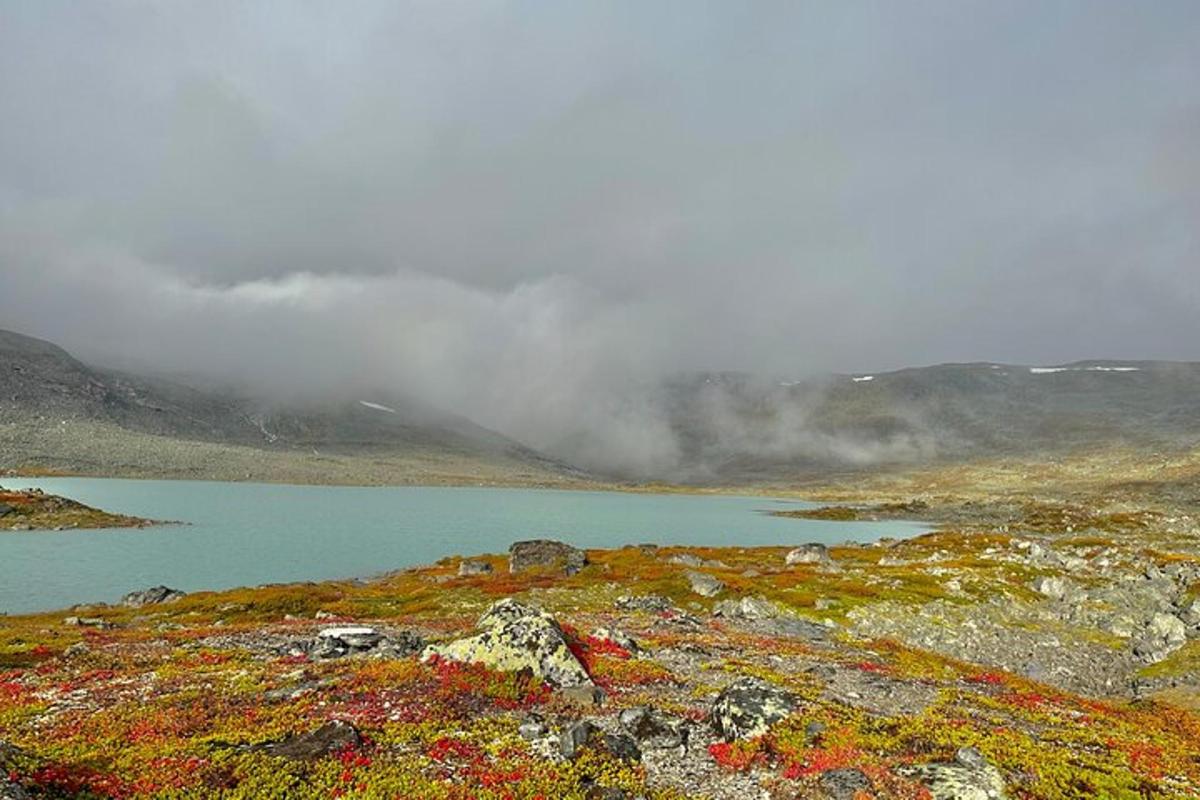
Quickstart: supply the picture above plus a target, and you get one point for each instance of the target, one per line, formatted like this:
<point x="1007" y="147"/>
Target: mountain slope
<point x="58" y="413"/>
<point x="736" y="425"/>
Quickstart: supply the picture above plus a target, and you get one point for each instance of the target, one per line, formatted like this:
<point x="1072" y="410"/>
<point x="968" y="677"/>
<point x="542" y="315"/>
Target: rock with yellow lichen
<point x="516" y="637"/>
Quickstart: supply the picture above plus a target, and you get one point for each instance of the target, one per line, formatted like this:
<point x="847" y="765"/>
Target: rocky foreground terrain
<point x="1052" y="655"/>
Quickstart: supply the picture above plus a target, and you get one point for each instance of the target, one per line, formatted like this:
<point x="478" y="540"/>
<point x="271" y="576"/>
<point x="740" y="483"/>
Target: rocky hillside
<point x="57" y="413"/>
<point x="737" y="426"/>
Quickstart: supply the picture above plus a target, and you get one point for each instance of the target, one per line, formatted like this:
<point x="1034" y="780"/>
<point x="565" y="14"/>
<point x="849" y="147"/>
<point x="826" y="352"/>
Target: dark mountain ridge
<point x="42" y="383"/>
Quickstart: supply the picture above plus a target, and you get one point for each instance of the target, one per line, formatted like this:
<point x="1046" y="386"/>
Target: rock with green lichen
<point x="968" y="777"/>
<point x="749" y="707"/>
<point x="516" y="637"/>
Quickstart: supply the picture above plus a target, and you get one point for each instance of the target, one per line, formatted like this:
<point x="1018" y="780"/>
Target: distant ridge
<point x="60" y="414"/>
<point x="738" y="426"/>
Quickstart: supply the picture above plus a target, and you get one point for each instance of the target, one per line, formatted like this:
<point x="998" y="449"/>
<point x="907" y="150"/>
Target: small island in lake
<point x="33" y="509"/>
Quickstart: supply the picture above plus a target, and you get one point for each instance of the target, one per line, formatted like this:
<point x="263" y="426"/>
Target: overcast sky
<point x="490" y="202"/>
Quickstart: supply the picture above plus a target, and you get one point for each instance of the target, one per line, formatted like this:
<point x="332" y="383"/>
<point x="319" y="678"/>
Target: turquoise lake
<point x="244" y="534"/>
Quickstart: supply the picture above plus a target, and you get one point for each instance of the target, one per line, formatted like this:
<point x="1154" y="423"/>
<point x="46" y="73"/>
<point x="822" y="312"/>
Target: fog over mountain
<point x="533" y="214"/>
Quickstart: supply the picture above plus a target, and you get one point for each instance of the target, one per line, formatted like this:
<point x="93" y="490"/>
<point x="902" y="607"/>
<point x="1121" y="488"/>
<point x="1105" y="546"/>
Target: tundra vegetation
<point x="1044" y="645"/>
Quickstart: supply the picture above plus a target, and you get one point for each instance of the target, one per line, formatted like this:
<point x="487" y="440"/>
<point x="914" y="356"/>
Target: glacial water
<point x="243" y="534"/>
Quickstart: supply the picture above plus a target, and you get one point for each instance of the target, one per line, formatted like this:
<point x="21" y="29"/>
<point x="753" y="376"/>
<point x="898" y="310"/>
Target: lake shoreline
<point x="704" y="671"/>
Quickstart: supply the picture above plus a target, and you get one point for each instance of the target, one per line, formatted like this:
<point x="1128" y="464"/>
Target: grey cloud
<point x="550" y="205"/>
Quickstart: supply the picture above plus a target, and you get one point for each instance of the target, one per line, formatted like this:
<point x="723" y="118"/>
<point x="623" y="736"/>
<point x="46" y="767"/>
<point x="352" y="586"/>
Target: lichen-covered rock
<point x="748" y="707"/>
<point x="1164" y="634"/>
<point x="152" y="596"/>
<point x="652" y="729"/>
<point x="471" y="567"/>
<point x="516" y="637"/>
<point x="545" y="553"/>
<point x="843" y="784"/>
<point x="646" y="602"/>
<point x="1054" y="588"/>
<point x="704" y="584"/>
<point x="968" y="777"/>
<point x="586" y="734"/>
<point x="812" y="553"/>
<point x="1168" y="628"/>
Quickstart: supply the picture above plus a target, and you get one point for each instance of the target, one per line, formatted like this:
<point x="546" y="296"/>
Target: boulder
<point x="1164" y="634"/>
<point x="354" y="637"/>
<point x="355" y="640"/>
<point x="469" y="567"/>
<point x="514" y="637"/>
<point x="332" y="737"/>
<point x="704" y="584"/>
<point x="338" y="642"/>
<point x="1167" y="628"/>
<point x="968" y="777"/>
<point x="584" y="734"/>
<point x="749" y="707"/>
<point x="653" y="730"/>
<point x="152" y="596"/>
<point x="843" y="784"/>
<point x="1054" y="588"/>
<point x="5" y="510"/>
<point x="812" y="553"/>
<point x="545" y="553"/>
<point x="649" y="602"/>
